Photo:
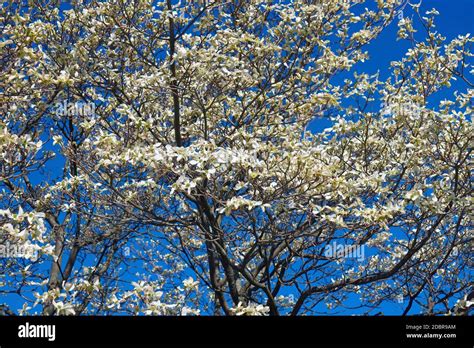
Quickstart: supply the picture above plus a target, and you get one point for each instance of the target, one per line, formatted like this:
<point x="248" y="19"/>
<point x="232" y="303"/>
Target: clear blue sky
<point x="456" y="17"/>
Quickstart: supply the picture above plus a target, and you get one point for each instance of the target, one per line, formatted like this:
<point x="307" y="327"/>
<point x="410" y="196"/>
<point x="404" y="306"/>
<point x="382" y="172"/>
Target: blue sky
<point x="456" y="18"/>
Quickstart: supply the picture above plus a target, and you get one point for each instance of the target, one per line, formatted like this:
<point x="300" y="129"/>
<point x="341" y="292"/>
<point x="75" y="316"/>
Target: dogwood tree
<point x="197" y="185"/>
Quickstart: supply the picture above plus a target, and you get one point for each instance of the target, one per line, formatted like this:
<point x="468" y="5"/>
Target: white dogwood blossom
<point x="251" y="309"/>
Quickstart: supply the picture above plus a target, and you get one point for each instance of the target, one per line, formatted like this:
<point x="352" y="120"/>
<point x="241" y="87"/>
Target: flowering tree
<point x="196" y="186"/>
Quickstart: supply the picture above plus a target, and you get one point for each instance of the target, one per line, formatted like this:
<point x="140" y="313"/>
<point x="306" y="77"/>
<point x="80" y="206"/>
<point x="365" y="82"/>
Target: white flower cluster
<point x="25" y="231"/>
<point x="252" y="309"/>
